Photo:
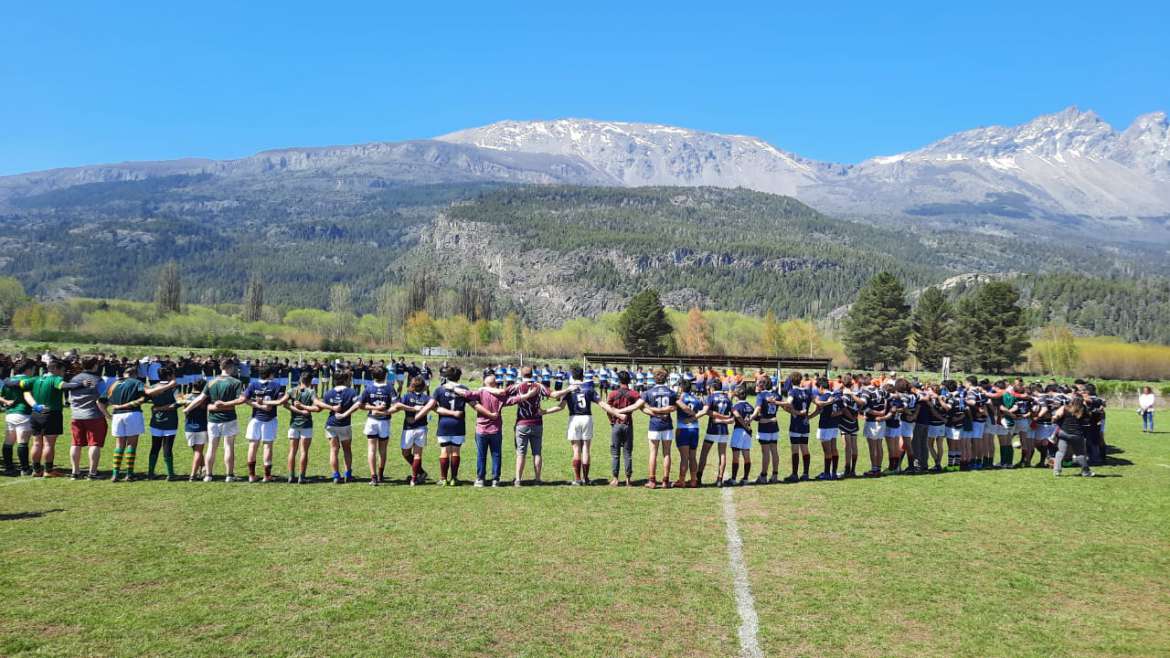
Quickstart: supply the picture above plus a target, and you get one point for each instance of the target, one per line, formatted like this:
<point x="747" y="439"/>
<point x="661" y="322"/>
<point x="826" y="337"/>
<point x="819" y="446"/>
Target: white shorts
<point x="223" y="430"/>
<point x="875" y="429"/>
<point x="261" y="430"/>
<point x="741" y="439"/>
<point x="716" y="438"/>
<point x="156" y="431"/>
<point x="339" y="433"/>
<point x="977" y="429"/>
<point x="414" y="438"/>
<point x="664" y="435"/>
<point x="18" y="421"/>
<point x="768" y="437"/>
<point x="196" y="439"/>
<point x="300" y="433"/>
<point x="452" y="440"/>
<point x="127" y="424"/>
<point x="937" y="431"/>
<point x="957" y="434"/>
<point x="580" y="428"/>
<point x="827" y="433"/>
<point x="379" y="427"/>
<point x="893" y="432"/>
<point x="907" y="430"/>
<point x="1045" y="432"/>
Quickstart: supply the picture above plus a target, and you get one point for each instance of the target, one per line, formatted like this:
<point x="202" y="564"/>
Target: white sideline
<point x="749" y="642"/>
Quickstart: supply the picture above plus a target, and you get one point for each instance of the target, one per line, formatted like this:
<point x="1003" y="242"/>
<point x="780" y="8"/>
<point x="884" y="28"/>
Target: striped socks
<point x="129" y="455"/>
<point x="117" y="460"/>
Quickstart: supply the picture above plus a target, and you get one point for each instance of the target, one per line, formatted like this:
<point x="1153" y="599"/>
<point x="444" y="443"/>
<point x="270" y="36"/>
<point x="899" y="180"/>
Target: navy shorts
<point x="687" y="437"/>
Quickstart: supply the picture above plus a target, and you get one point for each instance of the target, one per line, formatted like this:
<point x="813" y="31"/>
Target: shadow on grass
<point x="18" y="516"/>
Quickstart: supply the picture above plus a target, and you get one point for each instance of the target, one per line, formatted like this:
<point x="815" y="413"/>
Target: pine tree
<point x="932" y="326"/>
<point x="168" y="292"/>
<point x="643" y="326"/>
<point x="253" y="298"/>
<point x="877" y="328"/>
<point x="1004" y="330"/>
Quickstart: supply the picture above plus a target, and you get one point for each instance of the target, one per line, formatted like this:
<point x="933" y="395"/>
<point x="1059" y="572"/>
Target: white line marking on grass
<point x="1164" y="465"/>
<point x="749" y="642"/>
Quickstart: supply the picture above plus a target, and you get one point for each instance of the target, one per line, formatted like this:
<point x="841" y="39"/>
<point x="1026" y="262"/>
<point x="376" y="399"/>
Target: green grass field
<point x="991" y="563"/>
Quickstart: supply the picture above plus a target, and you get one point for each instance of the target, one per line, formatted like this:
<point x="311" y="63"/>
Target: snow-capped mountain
<point x="1069" y="167"/>
<point x="1066" y="164"/>
<point x="639" y="154"/>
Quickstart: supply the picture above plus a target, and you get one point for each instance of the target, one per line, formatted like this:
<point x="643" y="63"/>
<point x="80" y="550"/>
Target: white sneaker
<point x="207" y="478"/>
<point x="230" y="478"/>
<point x="516" y="483"/>
<point x="479" y="483"/>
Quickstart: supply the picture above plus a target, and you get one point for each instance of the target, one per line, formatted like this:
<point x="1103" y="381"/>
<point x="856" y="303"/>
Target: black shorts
<point x="798" y="440"/>
<point x="47" y="423"/>
<point x="848" y="429"/>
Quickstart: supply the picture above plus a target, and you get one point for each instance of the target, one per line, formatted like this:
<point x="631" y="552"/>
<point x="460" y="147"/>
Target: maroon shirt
<point x="528" y="412"/>
<point x="620" y="399"/>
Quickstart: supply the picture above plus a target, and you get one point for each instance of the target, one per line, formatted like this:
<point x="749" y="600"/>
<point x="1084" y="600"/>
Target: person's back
<point x="223" y="388"/>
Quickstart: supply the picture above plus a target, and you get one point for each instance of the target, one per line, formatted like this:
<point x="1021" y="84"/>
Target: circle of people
<point x="956" y="424"/>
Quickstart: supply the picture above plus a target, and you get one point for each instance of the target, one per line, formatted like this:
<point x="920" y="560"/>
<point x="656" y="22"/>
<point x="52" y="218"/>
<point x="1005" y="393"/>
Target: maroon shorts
<point x="90" y="432"/>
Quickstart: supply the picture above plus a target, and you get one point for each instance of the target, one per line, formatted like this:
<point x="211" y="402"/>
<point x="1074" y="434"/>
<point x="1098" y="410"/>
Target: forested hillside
<point x="547" y="253"/>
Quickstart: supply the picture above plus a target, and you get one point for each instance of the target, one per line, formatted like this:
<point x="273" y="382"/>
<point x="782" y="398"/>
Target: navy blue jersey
<point x="379" y="395"/>
<point x="745" y="410"/>
<point x="263" y="391"/>
<point x="196" y="420"/>
<point x="830" y="416"/>
<point x="414" y="399"/>
<point x="721" y="404"/>
<point x="800" y="399"/>
<point x="579" y="401"/>
<point x="897" y="405"/>
<point x="696" y="405"/>
<point x="452" y="399"/>
<point x="768" y="404"/>
<point x="339" y="396"/>
<point x="660" y="396"/>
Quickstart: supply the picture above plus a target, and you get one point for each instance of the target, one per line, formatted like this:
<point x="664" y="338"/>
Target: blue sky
<point x="104" y="82"/>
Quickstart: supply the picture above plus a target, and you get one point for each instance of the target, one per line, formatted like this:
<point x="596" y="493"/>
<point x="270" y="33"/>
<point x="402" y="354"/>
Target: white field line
<point x="749" y="641"/>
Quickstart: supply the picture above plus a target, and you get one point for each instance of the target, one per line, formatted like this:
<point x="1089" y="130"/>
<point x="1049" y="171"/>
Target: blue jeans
<point x="483" y="443"/>
<point x="1148" y="420"/>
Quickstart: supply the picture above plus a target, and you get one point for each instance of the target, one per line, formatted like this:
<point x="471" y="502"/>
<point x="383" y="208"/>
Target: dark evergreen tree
<point x="932" y="327"/>
<point x="1005" y="331"/>
<point x="643" y="326"/>
<point x="877" y="327"/>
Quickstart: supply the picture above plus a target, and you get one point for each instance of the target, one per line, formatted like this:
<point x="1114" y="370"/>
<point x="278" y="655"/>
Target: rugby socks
<point x="584" y="469"/>
<point x="251" y="469"/>
<point x="833" y="463"/>
<point x="576" y="470"/>
<point x="806" y="459"/>
<point x="8" y="452"/>
<point x="267" y="469"/>
<point x="48" y="467"/>
<point x="828" y="465"/>
<point x="455" y="467"/>
<point x="416" y="466"/>
<point x="129" y="455"/>
<point x="169" y="454"/>
<point x="118" y="452"/>
<point x="795" y="463"/>
<point x="22" y="455"/>
<point x="444" y="463"/>
<point x="747" y="466"/>
<point x="734" y="470"/>
<point x="1005" y="455"/>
